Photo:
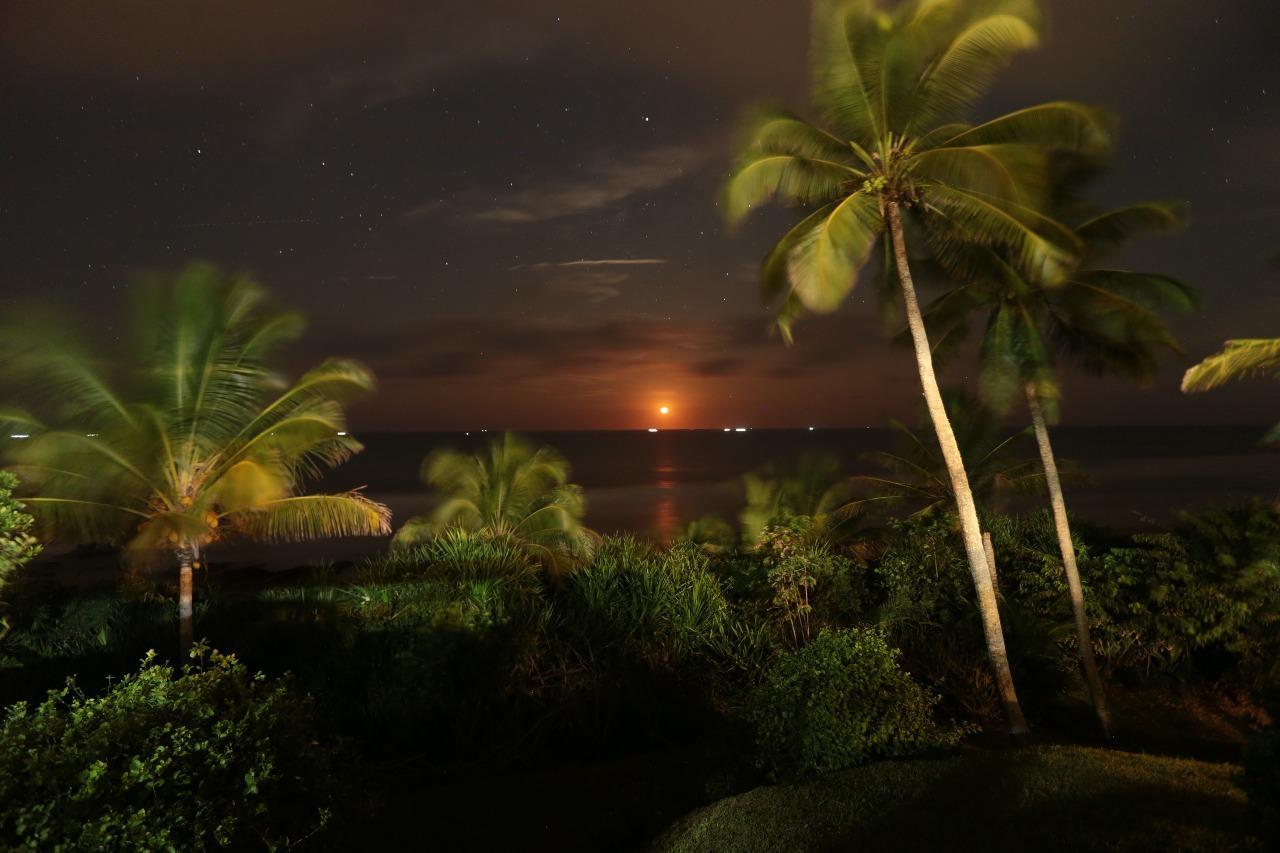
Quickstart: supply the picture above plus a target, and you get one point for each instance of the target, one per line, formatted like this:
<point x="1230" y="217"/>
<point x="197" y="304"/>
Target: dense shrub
<point x="812" y="585"/>
<point x="213" y="756"/>
<point x="17" y="545"/>
<point x="641" y="645"/>
<point x="838" y="702"/>
<point x="1209" y="589"/>
<point x="634" y="600"/>
<point x="927" y="609"/>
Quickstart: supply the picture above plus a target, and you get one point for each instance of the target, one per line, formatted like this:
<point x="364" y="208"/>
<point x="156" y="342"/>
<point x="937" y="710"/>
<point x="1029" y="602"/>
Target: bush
<point x="17" y="545"/>
<point x="211" y="756"/>
<point x="839" y="702"/>
<point x="1209" y="590"/>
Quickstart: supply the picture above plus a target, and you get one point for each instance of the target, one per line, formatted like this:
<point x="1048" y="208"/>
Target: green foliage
<point x="510" y="491"/>
<point x="812" y="585"/>
<point x="17" y="545"/>
<point x="1213" y="582"/>
<point x="815" y="489"/>
<point x="927" y="608"/>
<point x="189" y="434"/>
<point x="213" y="756"/>
<point x="997" y="463"/>
<point x="661" y="607"/>
<point x="838" y="702"/>
<point x="891" y="92"/>
<point x="1024" y="799"/>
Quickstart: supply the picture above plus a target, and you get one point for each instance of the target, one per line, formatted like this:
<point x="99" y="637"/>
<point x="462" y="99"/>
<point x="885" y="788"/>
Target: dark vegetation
<point x="691" y="671"/>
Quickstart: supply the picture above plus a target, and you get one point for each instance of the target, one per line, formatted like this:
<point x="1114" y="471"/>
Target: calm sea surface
<point x="652" y="483"/>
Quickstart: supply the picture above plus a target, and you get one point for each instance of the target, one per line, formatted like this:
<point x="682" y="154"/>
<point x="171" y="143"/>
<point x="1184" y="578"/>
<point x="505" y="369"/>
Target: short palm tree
<point x="189" y="438"/>
<point x="891" y="149"/>
<point x="816" y="488"/>
<point x="1102" y="319"/>
<point x="1246" y="358"/>
<point x="511" y="490"/>
<point x="916" y="472"/>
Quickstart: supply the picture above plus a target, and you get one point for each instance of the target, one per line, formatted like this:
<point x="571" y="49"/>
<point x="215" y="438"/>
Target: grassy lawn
<point x="1040" y="798"/>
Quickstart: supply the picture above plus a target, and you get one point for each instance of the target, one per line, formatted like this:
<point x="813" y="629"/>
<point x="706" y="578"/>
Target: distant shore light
<point x="740" y="429"/>
<point x="20" y="435"/>
<point x="651" y="429"/>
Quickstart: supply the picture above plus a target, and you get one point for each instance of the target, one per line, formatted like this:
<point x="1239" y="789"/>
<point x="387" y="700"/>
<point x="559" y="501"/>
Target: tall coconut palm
<point x="190" y="437"/>
<point x="890" y="148"/>
<point x="510" y="490"/>
<point x="1102" y="319"/>
<point x="1245" y="358"/>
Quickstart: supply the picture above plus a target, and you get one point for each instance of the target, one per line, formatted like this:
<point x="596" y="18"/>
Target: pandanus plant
<point x="1096" y="317"/>
<point x="891" y="149"/>
<point x="189" y="438"/>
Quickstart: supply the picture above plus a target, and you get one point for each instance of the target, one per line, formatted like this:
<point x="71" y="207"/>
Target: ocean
<point x="653" y="483"/>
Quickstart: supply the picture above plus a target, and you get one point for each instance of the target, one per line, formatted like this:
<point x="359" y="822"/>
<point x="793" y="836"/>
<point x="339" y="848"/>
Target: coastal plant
<point x="811" y="584"/>
<point x="1212" y="582"/>
<point x="509" y="491"/>
<point x="891" y="153"/>
<point x="1246" y="358"/>
<point x="838" y="702"/>
<point x="815" y="488"/>
<point x="915" y="471"/>
<point x="1093" y="316"/>
<point x="17" y="544"/>
<point x="189" y="436"/>
<point x="209" y="756"/>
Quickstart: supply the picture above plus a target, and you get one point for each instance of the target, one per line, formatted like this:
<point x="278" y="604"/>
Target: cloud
<point x="609" y="179"/>
<point x="596" y="262"/>
<point x="595" y="287"/>
<point x="595" y="280"/>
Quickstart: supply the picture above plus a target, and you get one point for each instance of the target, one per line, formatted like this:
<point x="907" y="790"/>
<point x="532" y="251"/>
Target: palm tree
<point x="891" y="89"/>
<point x="1245" y="358"/>
<point x="816" y="488"/>
<point x="916" y="472"/>
<point x="511" y="490"/>
<point x="1102" y="319"/>
<point x="190" y="438"/>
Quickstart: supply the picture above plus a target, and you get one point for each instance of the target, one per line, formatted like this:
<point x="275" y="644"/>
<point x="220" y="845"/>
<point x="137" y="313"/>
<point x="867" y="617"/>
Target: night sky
<point x="508" y="208"/>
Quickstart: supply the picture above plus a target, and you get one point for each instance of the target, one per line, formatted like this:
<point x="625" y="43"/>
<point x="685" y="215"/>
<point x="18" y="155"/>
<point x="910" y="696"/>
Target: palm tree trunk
<point x="990" y="550"/>
<point x="1068" y="549"/>
<point x="186" y="630"/>
<point x="970" y="529"/>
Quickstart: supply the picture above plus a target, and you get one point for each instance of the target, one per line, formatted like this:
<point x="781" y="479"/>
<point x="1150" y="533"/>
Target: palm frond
<point x="823" y="265"/>
<point x="1060" y="125"/>
<point x="307" y="517"/>
<point x="1118" y="226"/>
<point x="964" y="70"/>
<point x="1238" y="359"/>
<point x="796" y="180"/>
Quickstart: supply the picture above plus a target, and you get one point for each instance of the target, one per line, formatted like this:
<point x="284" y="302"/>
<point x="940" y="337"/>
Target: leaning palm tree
<point x="511" y="491"/>
<point x="1102" y="319"/>
<point x="1246" y="358"/>
<point x="188" y="439"/>
<point x="891" y="149"/>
